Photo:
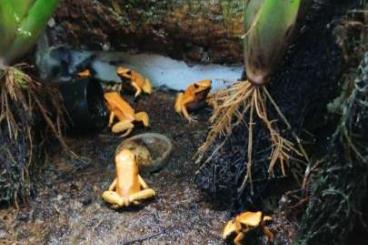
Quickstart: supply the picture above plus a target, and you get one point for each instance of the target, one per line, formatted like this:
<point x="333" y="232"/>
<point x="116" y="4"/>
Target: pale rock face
<point x="162" y="71"/>
<point x="177" y="75"/>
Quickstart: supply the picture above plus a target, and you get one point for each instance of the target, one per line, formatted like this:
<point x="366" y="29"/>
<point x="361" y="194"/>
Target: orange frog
<point x="128" y="188"/>
<point x="84" y="73"/>
<point x="192" y="98"/>
<point x="238" y="227"/>
<point x="138" y="82"/>
<point x="119" y="108"/>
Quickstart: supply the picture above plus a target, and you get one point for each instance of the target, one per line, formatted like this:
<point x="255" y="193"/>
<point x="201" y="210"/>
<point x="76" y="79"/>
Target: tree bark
<point x="195" y="30"/>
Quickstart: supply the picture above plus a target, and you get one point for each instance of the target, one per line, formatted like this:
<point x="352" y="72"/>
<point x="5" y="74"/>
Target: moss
<point x="206" y="31"/>
<point x="232" y="9"/>
<point x="339" y="189"/>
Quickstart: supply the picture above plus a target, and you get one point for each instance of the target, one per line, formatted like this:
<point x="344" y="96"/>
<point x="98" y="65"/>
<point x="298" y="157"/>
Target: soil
<point x="67" y="207"/>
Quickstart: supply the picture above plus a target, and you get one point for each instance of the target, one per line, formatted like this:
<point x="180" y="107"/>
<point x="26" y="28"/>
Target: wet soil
<point x="67" y="208"/>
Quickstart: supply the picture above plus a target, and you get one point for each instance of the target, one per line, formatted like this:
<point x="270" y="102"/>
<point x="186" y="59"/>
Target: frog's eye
<point x="196" y="85"/>
<point x="129" y="72"/>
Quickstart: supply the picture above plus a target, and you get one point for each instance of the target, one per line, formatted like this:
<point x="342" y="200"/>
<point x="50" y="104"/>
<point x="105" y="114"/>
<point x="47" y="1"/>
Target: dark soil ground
<point x="68" y="209"/>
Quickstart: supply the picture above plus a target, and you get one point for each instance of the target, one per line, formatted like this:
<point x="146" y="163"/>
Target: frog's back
<point x="127" y="174"/>
<point x="119" y="106"/>
<point x="127" y="183"/>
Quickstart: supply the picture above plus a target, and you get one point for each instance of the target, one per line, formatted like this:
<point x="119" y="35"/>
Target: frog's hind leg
<point x="113" y="198"/>
<point x="123" y="126"/>
<point x="142" y="117"/>
<point x="147" y="87"/>
<point x="178" y="102"/>
<point x="142" y="195"/>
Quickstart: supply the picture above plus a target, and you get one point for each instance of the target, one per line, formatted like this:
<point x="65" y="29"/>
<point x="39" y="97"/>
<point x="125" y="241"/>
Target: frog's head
<point x="125" y="157"/>
<point x="124" y="72"/>
<point x="203" y="85"/>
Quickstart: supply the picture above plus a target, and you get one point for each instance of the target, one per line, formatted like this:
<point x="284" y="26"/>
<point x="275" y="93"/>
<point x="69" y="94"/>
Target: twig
<point x="144" y="238"/>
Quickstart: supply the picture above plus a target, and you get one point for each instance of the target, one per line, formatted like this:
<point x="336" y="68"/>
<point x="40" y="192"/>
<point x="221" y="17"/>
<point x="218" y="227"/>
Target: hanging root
<point x="19" y="90"/>
<point x="229" y="106"/>
<point x="24" y="105"/>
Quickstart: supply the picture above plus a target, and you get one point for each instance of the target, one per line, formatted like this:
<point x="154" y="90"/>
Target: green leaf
<point x="30" y="28"/>
<point x="21" y="7"/>
<point x="269" y="32"/>
<point x="8" y="25"/>
<point x="250" y="12"/>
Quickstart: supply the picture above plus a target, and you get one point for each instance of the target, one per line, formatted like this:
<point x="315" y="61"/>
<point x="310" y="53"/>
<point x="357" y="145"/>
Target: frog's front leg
<point x="123" y="126"/>
<point x="138" y="90"/>
<point x="111" y="118"/>
<point x="181" y="106"/>
<point x="113" y="185"/>
<point x="187" y="116"/>
<point x="185" y="112"/>
<point x="142" y="182"/>
<point x="239" y="238"/>
<point x="269" y="234"/>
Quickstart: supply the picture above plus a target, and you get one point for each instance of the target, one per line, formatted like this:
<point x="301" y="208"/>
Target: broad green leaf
<point x="21" y="7"/>
<point x="8" y="25"/>
<point x="269" y="34"/>
<point x="31" y="27"/>
<point x="250" y="12"/>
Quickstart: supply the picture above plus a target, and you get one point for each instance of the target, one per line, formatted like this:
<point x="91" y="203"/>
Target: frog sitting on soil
<point x="119" y="108"/>
<point x="128" y="188"/>
<point x="239" y="227"/>
<point x="193" y="98"/>
<point x="138" y="82"/>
